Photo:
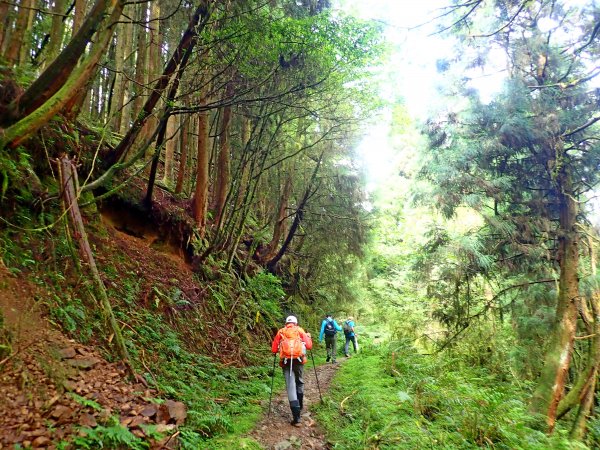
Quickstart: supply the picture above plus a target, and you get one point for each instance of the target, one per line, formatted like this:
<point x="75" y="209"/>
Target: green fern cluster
<point x="113" y="436"/>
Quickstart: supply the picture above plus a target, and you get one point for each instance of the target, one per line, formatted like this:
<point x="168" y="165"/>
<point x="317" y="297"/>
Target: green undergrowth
<point x="393" y="398"/>
<point x="224" y="402"/>
<point x="169" y="339"/>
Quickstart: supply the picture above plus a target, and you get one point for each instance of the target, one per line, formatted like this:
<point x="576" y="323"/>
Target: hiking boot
<point x="347" y="355"/>
<point x="296" y="414"/>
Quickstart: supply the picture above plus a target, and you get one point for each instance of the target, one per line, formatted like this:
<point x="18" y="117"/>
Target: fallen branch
<point x="344" y="401"/>
<point x="12" y="355"/>
<point x="166" y="444"/>
<point x="68" y="180"/>
<point x="585" y="337"/>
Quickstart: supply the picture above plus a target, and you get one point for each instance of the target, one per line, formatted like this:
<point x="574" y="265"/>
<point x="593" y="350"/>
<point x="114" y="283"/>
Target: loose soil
<point x="51" y="384"/>
<point x="275" y="432"/>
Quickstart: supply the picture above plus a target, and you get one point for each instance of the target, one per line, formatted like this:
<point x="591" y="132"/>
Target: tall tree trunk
<point x="279" y="226"/>
<point x="141" y="72"/>
<point x="186" y="44"/>
<point x="183" y="154"/>
<point x="310" y="190"/>
<point x="154" y="62"/>
<point x="25" y="52"/>
<point x="587" y="394"/>
<point x="125" y="104"/>
<point x="5" y="22"/>
<point x="190" y="181"/>
<point x="160" y="140"/>
<point x="61" y="69"/>
<point x="163" y="124"/>
<point x="106" y="82"/>
<point x="17" y="36"/>
<point x="57" y="32"/>
<point x="21" y="130"/>
<point x="243" y="183"/>
<point x="551" y="385"/>
<point x="200" y="201"/>
<point x="123" y="39"/>
<point x="170" y="148"/>
<point x="243" y="194"/>
<point x="79" y="15"/>
<point x="583" y="392"/>
<point x="224" y="160"/>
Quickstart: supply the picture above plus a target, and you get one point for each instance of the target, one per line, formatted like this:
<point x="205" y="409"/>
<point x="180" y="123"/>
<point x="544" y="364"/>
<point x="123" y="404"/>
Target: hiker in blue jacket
<point x="350" y="335"/>
<point x="329" y="329"/>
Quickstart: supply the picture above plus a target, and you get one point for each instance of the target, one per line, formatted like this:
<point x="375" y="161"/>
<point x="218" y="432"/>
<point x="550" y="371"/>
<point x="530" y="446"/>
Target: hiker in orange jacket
<point x="292" y="342"/>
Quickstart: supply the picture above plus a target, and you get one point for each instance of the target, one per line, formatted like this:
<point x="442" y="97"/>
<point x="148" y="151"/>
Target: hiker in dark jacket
<point x="329" y="329"/>
<point x="292" y="342"/>
<point x="350" y="335"/>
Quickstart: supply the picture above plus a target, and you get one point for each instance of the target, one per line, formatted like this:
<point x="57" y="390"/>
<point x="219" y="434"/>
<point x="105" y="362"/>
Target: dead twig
<point x="12" y="355"/>
<point x="166" y="444"/>
<point x="344" y="401"/>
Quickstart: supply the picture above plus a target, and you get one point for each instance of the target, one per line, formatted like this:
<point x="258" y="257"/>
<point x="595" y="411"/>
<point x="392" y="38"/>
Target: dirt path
<point x="274" y="432"/>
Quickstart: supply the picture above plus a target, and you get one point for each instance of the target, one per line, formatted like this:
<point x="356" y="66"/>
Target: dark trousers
<point x="294" y="383"/>
<point x="331" y="346"/>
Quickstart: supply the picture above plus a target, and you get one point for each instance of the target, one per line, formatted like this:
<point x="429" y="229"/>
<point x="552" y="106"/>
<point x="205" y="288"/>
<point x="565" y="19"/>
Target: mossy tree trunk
<point x="170" y="148"/>
<point x="583" y="392"/>
<point x="5" y="20"/>
<point x="57" y="32"/>
<point x="60" y="71"/>
<point x="79" y="15"/>
<point x="164" y="122"/>
<point x="124" y="41"/>
<point x="153" y="63"/>
<point x="141" y="70"/>
<point x="280" y="220"/>
<point x="298" y="216"/>
<point x="557" y="361"/>
<point x="25" y="55"/>
<point x="18" y="132"/>
<point x="183" y="154"/>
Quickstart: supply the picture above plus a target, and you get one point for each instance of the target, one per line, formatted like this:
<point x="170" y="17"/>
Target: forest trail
<point x="274" y="431"/>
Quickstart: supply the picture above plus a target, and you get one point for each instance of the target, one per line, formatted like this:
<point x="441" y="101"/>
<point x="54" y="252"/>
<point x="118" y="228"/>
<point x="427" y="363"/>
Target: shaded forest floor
<point x="51" y="385"/>
<point x="274" y="431"/>
<point x="56" y="377"/>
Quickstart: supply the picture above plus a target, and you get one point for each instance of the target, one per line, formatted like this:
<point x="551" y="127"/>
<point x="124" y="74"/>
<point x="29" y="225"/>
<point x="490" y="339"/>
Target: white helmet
<point x="291" y="319"/>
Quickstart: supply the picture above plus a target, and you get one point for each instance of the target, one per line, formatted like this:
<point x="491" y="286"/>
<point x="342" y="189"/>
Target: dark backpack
<point x="346" y="327"/>
<point x="329" y="328"/>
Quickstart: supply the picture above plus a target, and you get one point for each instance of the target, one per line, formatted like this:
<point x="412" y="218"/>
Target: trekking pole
<point x="272" y="380"/>
<point x="316" y="377"/>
